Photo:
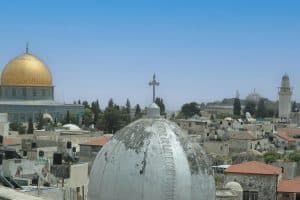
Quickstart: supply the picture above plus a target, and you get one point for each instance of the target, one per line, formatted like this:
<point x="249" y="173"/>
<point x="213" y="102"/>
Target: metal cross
<point x="154" y="83"/>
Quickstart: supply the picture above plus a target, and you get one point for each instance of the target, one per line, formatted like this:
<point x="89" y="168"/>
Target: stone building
<point x="258" y="180"/>
<point x="27" y="90"/>
<point x="289" y="189"/>
<point x="288" y="138"/>
<point x="243" y="141"/>
<point x="195" y="125"/>
<point x="90" y="148"/>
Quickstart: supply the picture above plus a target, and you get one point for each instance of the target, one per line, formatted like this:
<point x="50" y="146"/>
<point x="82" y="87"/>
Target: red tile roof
<point x="254" y="167"/>
<point x="289" y="186"/>
<point x="288" y="133"/>
<point x="98" y="141"/>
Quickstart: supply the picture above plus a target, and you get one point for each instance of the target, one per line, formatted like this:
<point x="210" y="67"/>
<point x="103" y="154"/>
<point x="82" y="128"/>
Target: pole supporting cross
<point x="154" y="83"/>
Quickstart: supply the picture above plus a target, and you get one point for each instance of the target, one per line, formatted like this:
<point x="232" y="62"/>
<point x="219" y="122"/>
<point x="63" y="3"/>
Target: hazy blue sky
<point x="200" y="50"/>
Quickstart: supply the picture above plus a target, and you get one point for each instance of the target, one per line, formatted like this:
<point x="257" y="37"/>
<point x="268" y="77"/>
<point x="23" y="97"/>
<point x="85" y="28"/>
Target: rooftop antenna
<point x="154" y="83"/>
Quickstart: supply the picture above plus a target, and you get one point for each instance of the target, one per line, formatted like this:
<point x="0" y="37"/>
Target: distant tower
<point x="285" y="94"/>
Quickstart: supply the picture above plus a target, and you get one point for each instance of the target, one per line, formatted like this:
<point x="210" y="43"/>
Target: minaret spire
<point x="154" y="83"/>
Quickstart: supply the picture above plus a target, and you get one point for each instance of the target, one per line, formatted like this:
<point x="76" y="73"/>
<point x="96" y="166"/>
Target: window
<point x="6" y="92"/>
<point x="44" y="92"/>
<point x="250" y="195"/>
<point x="14" y="92"/>
<point x="34" y="92"/>
<point x="24" y="92"/>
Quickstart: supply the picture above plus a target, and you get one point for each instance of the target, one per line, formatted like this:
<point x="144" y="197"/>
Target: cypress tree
<point x="30" y="126"/>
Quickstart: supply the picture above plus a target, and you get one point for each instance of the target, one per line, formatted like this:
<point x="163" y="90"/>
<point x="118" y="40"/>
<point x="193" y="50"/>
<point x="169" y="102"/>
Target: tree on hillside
<point x="112" y="119"/>
<point x="125" y="116"/>
<point x="30" y="126"/>
<point x="95" y="108"/>
<point x="40" y="124"/>
<point x="237" y="106"/>
<point x="190" y="109"/>
<point x="261" y="109"/>
<point x="128" y="106"/>
<point x="111" y="103"/>
<point x="68" y="118"/>
<point x="161" y="105"/>
<point x="250" y="107"/>
<point x="138" y="111"/>
<point x="87" y="118"/>
<point x="271" y="156"/>
<point x="294" y="107"/>
<point x="86" y="104"/>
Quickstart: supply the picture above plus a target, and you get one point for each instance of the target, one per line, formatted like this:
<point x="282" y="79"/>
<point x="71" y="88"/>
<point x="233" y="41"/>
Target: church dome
<point x="151" y="158"/>
<point x="26" y="70"/>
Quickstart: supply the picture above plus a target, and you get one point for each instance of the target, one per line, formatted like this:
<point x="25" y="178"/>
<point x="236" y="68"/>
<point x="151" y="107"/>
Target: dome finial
<point x="153" y="111"/>
<point x="27" y="48"/>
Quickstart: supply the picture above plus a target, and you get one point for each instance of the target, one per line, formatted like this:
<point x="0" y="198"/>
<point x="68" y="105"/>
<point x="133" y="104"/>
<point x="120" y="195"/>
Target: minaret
<point x="285" y="94"/>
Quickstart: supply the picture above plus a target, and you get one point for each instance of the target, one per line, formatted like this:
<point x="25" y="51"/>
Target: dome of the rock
<point x="26" y="70"/>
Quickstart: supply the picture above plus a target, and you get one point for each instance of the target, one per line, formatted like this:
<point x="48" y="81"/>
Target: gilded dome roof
<point x="26" y="70"/>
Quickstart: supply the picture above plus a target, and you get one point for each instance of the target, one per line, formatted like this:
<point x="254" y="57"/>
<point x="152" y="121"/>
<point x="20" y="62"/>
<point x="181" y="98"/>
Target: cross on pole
<point x="154" y="83"/>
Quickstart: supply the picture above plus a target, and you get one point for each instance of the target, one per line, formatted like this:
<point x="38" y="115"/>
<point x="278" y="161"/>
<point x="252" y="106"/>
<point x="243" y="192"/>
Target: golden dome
<point x="26" y="70"/>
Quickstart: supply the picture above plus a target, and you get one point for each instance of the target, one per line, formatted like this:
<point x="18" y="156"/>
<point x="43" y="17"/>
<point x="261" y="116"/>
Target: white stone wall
<point x="284" y="106"/>
<point x="265" y="185"/>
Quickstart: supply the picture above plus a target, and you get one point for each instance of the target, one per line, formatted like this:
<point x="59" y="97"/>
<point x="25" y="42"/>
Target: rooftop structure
<point x="254" y="167"/>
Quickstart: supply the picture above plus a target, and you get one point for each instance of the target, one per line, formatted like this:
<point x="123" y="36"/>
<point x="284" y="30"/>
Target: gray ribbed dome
<point x="151" y="159"/>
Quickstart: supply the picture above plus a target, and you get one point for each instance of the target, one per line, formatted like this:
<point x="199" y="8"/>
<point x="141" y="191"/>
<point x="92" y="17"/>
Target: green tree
<point x="30" y="127"/>
<point x="237" y="106"/>
<point x="112" y="119"/>
<point x="295" y="157"/>
<point x="294" y="106"/>
<point x="14" y="126"/>
<point x="128" y="106"/>
<point x="100" y="124"/>
<point x="68" y="118"/>
<point x="261" y="109"/>
<point x="79" y="102"/>
<point x="190" y="109"/>
<point x="111" y="103"/>
<point x="161" y="105"/>
<point x="87" y="117"/>
<point x="86" y="104"/>
<point x="95" y="108"/>
<point x="22" y="130"/>
<point x="250" y="107"/>
<point x="40" y="124"/>
<point x="125" y="117"/>
<point x="271" y="156"/>
<point x="138" y="111"/>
